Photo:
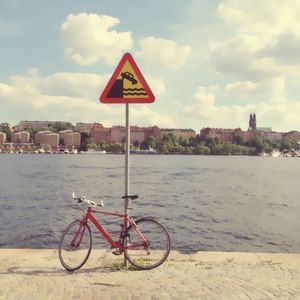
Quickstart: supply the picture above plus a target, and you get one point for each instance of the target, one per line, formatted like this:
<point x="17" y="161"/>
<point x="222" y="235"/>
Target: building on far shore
<point x="39" y="137"/>
<point x="292" y="135"/>
<point x="63" y="133"/>
<point x="99" y="133"/>
<point x="69" y="138"/>
<point x="138" y="135"/>
<point x="2" y="137"/>
<point x="72" y="139"/>
<point x="51" y="139"/>
<point x="224" y="135"/>
<point x="47" y="138"/>
<point x="20" y="137"/>
<point x="265" y="133"/>
<point x="269" y="135"/>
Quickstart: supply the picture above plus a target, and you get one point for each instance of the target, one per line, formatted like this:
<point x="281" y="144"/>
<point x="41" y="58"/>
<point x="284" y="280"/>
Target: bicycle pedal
<point x="116" y="252"/>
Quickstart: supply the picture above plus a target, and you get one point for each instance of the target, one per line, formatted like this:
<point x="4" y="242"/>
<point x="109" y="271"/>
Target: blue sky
<point x="209" y="63"/>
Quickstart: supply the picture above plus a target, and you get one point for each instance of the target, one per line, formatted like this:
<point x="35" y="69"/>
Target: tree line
<point x="200" y="145"/>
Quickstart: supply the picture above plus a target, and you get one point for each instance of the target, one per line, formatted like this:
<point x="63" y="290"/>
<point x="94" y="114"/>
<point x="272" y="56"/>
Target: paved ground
<point x="37" y="274"/>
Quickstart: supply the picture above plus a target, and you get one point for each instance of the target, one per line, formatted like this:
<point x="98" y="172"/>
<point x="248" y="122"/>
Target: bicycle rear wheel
<point x="152" y="253"/>
<point x="75" y="246"/>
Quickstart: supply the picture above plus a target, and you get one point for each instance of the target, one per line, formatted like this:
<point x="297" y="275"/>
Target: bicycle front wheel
<point x="148" y="245"/>
<point x="75" y="246"/>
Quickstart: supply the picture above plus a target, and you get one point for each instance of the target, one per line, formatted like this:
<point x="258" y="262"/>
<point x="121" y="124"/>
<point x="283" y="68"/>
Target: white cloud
<point x="162" y="52"/>
<point x="70" y="97"/>
<point x="145" y="116"/>
<point x="88" y="39"/>
<point x="238" y="56"/>
<point x="285" y="48"/>
<point x="240" y="89"/>
<point x="265" y="42"/>
<point x="156" y="85"/>
<point x="266" y="18"/>
<point x="62" y="84"/>
<point x="276" y="112"/>
<point x="261" y="52"/>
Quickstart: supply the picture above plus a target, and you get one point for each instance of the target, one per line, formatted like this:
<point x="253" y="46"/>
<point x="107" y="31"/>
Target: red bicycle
<point x="145" y="242"/>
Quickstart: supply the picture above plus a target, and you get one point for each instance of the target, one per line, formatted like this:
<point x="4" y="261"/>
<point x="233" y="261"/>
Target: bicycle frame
<point x="88" y="216"/>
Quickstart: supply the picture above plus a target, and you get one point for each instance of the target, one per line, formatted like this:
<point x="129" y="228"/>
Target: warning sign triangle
<point x="127" y="84"/>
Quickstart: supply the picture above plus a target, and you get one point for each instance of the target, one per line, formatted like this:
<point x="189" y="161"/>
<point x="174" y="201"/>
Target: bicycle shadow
<point x="42" y="271"/>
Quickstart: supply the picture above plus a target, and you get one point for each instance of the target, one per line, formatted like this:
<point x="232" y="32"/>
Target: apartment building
<point x="51" y="139"/>
<point x="20" y="137"/>
<point x="39" y="137"/>
<point x="99" y="133"/>
<point x="62" y="134"/>
<point x="224" y="135"/>
<point x="72" y="139"/>
<point x="292" y="135"/>
<point x="270" y="135"/>
<point x="47" y="138"/>
<point x="2" y="137"/>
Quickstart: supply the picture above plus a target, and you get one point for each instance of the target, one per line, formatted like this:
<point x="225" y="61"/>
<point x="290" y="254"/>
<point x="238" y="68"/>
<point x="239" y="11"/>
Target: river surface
<point x="215" y="203"/>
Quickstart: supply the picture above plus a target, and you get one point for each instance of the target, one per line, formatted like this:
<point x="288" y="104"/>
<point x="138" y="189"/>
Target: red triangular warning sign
<point x="127" y="84"/>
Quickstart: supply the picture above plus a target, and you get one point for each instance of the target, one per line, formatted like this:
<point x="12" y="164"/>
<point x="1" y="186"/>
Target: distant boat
<point x="92" y="151"/>
<point x="149" y="151"/>
<point x="66" y="151"/>
<point x="73" y="151"/>
<point x="264" y="154"/>
<point x="41" y="150"/>
<point x="276" y="153"/>
<point x="11" y="150"/>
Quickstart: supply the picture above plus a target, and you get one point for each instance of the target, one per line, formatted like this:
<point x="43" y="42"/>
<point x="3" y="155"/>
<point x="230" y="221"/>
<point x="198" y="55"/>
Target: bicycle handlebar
<point x="88" y="202"/>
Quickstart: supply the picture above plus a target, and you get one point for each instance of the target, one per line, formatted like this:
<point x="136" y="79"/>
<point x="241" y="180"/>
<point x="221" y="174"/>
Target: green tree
<point x="201" y="149"/>
<point x="91" y="146"/>
<point x="239" y="140"/>
<point x="257" y="143"/>
<point x="151" y="142"/>
<point x="59" y="126"/>
<point x="286" y="145"/>
<point x="32" y="133"/>
<point x="8" y="133"/>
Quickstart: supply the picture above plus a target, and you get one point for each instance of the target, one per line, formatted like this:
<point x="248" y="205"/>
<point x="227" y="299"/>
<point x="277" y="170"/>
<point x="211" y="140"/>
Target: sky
<point x="208" y="63"/>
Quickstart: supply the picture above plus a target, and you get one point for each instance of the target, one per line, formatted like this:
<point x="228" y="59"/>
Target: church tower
<point x="252" y="122"/>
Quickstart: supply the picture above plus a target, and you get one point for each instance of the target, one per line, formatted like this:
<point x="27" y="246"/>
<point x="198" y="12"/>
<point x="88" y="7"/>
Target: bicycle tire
<point x="147" y="257"/>
<point x="71" y="256"/>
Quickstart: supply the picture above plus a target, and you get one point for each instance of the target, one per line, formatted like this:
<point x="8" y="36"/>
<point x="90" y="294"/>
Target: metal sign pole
<point x="127" y="163"/>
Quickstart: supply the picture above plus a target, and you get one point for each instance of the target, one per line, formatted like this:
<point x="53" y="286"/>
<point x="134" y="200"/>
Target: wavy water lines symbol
<point x="134" y="92"/>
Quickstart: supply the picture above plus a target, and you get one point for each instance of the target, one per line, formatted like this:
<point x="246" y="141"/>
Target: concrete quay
<point x="37" y="274"/>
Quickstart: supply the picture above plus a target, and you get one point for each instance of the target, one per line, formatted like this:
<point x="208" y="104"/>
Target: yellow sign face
<point x="127" y="84"/>
<point x="131" y="86"/>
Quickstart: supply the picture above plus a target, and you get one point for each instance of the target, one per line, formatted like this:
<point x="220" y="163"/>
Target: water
<point x="214" y="203"/>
